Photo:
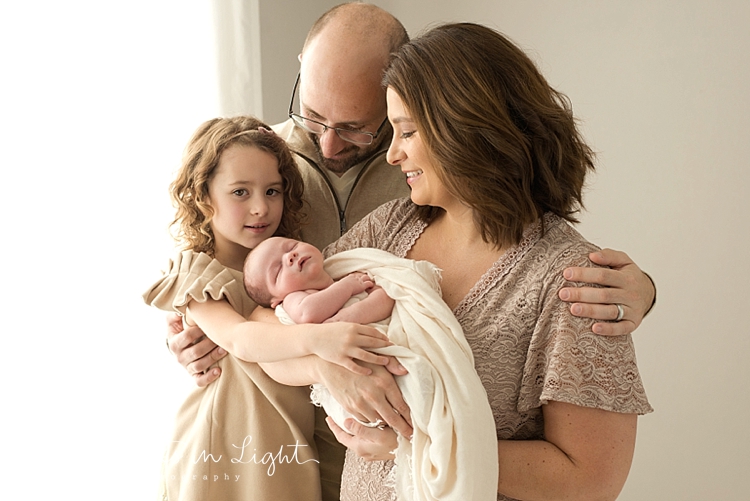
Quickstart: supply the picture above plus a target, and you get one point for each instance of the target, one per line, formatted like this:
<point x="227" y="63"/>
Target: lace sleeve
<point x="567" y="362"/>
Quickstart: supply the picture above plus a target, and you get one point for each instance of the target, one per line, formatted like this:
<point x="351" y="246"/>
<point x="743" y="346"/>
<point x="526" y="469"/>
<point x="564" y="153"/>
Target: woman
<point x="496" y="169"/>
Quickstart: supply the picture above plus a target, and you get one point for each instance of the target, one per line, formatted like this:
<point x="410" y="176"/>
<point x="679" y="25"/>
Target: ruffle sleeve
<point x="196" y="276"/>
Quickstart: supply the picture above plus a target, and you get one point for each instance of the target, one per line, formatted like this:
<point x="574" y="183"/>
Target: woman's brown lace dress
<point x="528" y="348"/>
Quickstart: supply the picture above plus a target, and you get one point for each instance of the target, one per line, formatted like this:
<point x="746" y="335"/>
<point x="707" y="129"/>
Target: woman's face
<point x="245" y="193"/>
<point x="409" y="152"/>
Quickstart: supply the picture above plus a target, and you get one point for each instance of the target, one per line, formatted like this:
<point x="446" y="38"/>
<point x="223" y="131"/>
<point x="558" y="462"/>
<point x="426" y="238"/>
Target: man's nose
<point x="331" y="144"/>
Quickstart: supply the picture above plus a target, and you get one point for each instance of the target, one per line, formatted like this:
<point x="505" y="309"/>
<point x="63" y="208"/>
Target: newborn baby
<point x="288" y="275"/>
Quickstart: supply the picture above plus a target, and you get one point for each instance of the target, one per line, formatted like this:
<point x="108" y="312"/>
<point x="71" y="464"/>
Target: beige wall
<point x="662" y="89"/>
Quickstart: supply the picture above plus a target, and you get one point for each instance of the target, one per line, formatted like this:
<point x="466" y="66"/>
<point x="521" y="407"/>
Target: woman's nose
<point x="394" y="156"/>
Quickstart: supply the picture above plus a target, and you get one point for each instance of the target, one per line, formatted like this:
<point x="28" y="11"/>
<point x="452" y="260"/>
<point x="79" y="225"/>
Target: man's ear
<point x="275" y="303"/>
<point x="299" y="57"/>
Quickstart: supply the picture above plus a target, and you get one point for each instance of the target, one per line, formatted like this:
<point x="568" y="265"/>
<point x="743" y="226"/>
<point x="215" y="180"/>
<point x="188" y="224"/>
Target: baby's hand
<point x="359" y="282"/>
<point x="341" y="343"/>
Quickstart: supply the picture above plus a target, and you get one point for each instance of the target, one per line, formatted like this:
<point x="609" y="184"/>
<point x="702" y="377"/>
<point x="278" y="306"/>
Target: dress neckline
<point x="499" y="268"/>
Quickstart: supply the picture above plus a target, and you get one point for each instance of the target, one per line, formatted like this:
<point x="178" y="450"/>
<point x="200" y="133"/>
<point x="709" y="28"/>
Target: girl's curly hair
<point x="189" y="191"/>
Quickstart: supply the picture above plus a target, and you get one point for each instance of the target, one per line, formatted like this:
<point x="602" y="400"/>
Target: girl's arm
<point x="317" y="306"/>
<point x="364" y="396"/>
<point x="255" y="342"/>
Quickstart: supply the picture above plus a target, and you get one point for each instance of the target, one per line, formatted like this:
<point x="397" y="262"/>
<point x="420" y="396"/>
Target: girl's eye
<point x="240" y="192"/>
<point x="407" y="135"/>
<point x="272" y="192"/>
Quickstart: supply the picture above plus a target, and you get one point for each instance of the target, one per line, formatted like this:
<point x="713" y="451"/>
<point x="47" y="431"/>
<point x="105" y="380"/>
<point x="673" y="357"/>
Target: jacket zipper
<point x="342" y="212"/>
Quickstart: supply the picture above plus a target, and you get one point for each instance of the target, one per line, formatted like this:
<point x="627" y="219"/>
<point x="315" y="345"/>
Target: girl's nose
<point x="259" y="207"/>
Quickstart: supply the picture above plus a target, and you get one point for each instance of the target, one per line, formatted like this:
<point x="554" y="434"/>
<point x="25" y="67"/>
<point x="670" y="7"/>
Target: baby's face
<point x="282" y="266"/>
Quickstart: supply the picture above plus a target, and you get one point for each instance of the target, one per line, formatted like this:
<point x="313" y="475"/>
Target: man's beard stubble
<point x="355" y="154"/>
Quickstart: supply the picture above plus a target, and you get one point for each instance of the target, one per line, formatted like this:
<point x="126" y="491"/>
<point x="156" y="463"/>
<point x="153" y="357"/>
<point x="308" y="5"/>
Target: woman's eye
<point x="240" y="193"/>
<point x="407" y="135"/>
<point x="272" y="192"/>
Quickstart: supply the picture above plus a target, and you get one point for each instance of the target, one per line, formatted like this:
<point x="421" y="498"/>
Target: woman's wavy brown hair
<point x="502" y="140"/>
<point x="189" y="191"/>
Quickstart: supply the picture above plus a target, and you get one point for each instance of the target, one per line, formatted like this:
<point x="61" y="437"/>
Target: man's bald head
<point x="366" y="22"/>
<point x="342" y="64"/>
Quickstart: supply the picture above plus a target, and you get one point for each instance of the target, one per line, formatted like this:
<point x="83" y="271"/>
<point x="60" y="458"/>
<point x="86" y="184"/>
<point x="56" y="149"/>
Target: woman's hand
<point x="369" y="398"/>
<point x="341" y="343"/>
<point x="194" y="351"/>
<point x="624" y="284"/>
<point x="372" y="444"/>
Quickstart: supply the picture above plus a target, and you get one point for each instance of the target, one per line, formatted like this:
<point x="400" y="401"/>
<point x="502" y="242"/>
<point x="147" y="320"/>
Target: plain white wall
<point x="97" y="101"/>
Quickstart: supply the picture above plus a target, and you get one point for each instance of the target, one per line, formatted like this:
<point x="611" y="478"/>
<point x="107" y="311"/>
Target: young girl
<point x="245" y="436"/>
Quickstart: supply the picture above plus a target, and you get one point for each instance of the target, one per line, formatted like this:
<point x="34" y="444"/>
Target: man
<point x="340" y="134"/>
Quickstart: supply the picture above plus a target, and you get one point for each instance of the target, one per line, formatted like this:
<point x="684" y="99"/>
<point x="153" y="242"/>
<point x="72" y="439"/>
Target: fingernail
<point x="222" y="351"/>
<point x="576" y="309"/>
<point x="598" y="329"/>
<point x="568" y="274"/>
<point x="215" y="372"/>
<point x="564" y="294"/>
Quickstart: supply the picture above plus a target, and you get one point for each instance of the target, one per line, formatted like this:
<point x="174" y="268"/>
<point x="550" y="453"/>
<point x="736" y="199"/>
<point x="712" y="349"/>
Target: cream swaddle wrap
<point x="453" y="452"/>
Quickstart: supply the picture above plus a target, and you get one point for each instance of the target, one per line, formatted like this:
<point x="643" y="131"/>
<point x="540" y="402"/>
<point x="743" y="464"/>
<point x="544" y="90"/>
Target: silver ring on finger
<point x="620" y="312"/>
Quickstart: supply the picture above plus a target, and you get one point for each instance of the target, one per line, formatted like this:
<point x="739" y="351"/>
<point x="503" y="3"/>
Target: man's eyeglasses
<point x="315" y="127"/>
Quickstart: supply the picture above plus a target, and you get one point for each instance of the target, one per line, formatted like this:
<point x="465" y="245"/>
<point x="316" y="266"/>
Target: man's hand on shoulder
<point x="623" y="284"/>
<point x="194" y="351"/>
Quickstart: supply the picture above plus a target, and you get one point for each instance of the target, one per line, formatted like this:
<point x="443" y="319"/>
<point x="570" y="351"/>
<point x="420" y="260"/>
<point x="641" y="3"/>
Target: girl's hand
<point x="371" y="444"/>
<point x="341" y="343"/>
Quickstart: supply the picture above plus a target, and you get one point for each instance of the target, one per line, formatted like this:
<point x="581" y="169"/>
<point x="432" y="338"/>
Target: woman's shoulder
<point x="563" y="245"/>
<point x="385" y="228"/>
<point x="400" y="208"/>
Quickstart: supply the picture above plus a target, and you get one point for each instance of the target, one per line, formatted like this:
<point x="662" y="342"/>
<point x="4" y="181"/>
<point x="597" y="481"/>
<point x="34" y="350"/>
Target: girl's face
<point x="245" y="193"/>
<point x="409" y="152"/>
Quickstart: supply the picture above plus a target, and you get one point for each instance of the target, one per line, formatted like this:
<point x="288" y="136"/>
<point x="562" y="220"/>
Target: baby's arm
<point x="318" y="306"/>
<point x="255" y="342"/>
<point x="375" y="307"/>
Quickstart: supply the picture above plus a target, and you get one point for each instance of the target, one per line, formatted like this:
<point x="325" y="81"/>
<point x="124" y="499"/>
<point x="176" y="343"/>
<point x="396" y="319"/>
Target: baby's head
<point x="279" y="266"/>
